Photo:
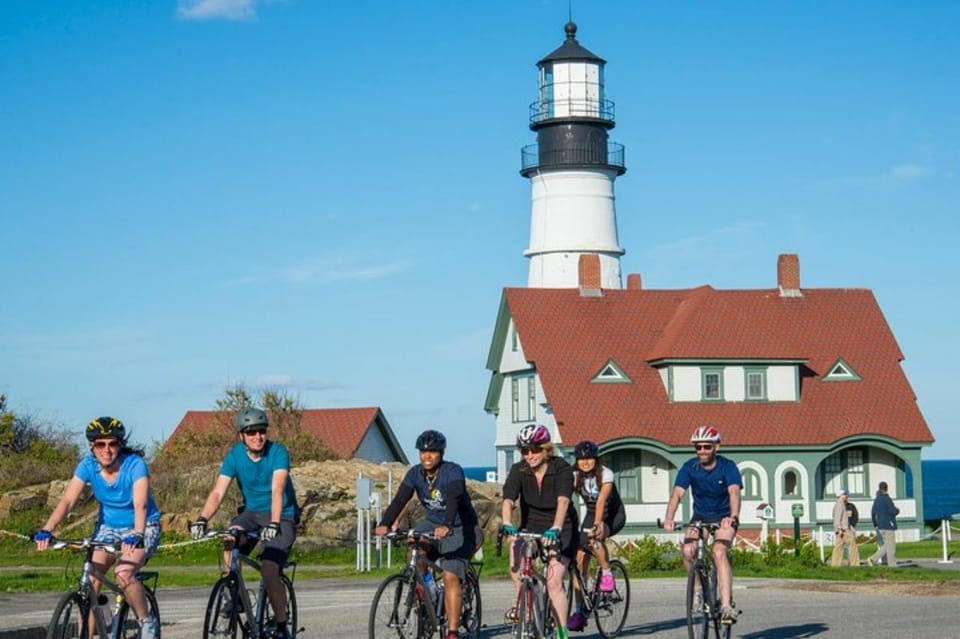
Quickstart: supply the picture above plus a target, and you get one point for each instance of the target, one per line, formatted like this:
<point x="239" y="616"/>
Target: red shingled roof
<point x="569" y="337"/>
<point x="341" y="429"/>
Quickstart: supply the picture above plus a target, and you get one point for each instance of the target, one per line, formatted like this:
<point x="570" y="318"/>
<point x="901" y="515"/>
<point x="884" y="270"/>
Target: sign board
<point x="796" y="510"/>
<point x="765" y="511"/>
<point x="364" y="490"/>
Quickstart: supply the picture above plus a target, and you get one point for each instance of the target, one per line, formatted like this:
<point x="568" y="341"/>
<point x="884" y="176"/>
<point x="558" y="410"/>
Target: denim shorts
<point x="151" y="535"/>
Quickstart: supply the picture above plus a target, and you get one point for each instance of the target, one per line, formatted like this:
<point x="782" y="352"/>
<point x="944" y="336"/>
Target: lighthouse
<point x="572" y="169"/>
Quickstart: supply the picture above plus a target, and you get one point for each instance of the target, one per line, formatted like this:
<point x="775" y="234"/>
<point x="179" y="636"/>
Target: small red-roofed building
<point x="804" y="385"/>
<point x="348" y="432"/>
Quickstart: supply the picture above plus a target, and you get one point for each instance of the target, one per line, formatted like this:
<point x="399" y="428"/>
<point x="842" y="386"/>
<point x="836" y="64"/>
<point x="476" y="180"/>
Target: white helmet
<point x="706" y="434"/>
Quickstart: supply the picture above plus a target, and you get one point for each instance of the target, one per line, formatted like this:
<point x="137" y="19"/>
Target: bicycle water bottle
<point x="431" y="585"/>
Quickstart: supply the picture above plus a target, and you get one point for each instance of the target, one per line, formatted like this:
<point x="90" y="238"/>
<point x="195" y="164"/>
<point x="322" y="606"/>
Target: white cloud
<point x="216" y="9"/>
<point x="909" y="171"/>
<point x="895" y="175"/>
<point x="307" y="383"/>
<point x="324" y="270"/>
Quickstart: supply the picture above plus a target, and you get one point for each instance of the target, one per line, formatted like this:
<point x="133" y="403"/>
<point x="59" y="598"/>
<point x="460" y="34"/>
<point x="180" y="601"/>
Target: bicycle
<point x="534" y="613"/>
<point x="231" y="613"/>
<point x="703" y="596"/>
<point x="608" y="608"/>
<point x="405" y="608"/>
<point x="78" y="609"/>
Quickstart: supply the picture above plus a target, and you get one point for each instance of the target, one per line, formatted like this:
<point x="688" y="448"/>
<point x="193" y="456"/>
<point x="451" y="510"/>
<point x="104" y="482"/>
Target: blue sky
<point x="325" y="197"/>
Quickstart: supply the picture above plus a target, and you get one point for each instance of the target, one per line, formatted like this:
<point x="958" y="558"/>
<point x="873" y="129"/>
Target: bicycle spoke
<point x="397" y="610"/>
<point x="699" y="606"/>
<point x="610" y="608"/>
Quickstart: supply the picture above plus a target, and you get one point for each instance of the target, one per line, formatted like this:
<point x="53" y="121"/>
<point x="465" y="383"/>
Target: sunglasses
<point x="534" y="450"/>
<point x="703" y="446"/>
<point x="262" y="432"/>
<point x="101" y="445"/>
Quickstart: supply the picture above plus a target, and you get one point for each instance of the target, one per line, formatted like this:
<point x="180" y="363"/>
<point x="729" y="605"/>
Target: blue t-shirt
<point x="710" y="488"/>
<point x="255" y="478"/>
<point x="116" y="499"/>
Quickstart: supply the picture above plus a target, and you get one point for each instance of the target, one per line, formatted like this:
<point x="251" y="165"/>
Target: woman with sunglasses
<point x="715" y="483"/>
<point x="544" y="485"/>
<point x="120" y="481"/>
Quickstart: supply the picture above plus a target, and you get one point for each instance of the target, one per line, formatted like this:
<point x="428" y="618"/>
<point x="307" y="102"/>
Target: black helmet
<point x="586" y="450"/>
<point x="106" y="427"/>
<point x="251" y="417"/>
<point x="432" y="440"/>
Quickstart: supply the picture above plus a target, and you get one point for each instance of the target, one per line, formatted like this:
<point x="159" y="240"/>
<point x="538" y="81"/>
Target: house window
<point x="841" y="372"/>
<point x="848" y="465"/>
<point x="523" y="398"/>
<point x="509" y="458"/>
<point x="514" y="340"/>
<point x="611" y="373"/>
<point x="625" y="466"/>
<point x="751" y="484"/>
<point x="756" y="384"/>
<point x="712" y="381"/>
<point x="791" y="484"/>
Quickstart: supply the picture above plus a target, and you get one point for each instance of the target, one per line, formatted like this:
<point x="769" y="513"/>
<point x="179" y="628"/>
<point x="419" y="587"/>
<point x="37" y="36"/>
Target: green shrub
<point x="648" y="554"/>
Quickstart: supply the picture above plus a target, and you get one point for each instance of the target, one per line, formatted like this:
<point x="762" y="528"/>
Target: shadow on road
<point x="789" y="632"/>
<point x="635" y="630"/>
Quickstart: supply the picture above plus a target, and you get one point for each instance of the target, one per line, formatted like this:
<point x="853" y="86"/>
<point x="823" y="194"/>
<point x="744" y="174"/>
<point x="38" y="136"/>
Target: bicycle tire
<point x="224" y="618"/>
<point x="126" y="625"/>
<point x="71" y="619"/>
<point x="471" y="607"/>
<point x="266" y="622"/>
<point x="699" y="604"/>
<point x="610" y="608"/>
<point x="397" y="610"/>
<point x="530" y="625"/>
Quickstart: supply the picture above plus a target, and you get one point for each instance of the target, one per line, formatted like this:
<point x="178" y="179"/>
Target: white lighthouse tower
<point x="572" y="168"/>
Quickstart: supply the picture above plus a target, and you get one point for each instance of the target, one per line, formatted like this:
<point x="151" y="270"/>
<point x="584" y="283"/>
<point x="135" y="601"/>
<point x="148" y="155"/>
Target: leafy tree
<point x="33" y="451"/>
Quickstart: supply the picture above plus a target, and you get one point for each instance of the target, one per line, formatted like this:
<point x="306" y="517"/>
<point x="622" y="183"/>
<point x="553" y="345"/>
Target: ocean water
<point x="941" y="492"/>
<point x="941" y="486"/>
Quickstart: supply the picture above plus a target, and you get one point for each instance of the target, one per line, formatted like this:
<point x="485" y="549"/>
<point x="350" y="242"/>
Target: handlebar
<point x="410" y="535"/>
<point x="520" y="534"/>
<point x="236" y="533"/>
<point x="695" y="523"/>
<point x="84" y="544"/>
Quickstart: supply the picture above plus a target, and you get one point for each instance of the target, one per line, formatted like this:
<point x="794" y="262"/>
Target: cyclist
<point x="441" y="487"/>
<point x="120" y="481"/>
<point x="262" y="470"/>
<point x="605" y="515"/>
<point x="715" y="482"/>
<point x="544" y="485"/>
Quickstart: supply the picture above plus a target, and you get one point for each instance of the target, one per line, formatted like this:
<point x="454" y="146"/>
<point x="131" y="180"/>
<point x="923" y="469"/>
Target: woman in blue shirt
<point x="120" y="482"/>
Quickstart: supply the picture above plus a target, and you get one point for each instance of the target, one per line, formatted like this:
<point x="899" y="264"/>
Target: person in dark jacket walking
<point x="884" y="514"/>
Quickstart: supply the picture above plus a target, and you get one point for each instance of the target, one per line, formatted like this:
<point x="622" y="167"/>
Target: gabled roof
<point x="341" y="429"/>
<point x="568" y="337"/>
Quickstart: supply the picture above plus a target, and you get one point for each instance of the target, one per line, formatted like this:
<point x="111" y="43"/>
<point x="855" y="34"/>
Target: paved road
<point x="772" y="609"/>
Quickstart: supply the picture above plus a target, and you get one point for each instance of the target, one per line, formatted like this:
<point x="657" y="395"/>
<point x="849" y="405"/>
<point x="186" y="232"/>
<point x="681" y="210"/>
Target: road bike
<point x="608" y="608"/>
<point x="534" y="613"/>
<point x="703" y="596"/>
<point x="233" y="611"/>
<point x="83" y="613"/>
<point x="407" y="607"/>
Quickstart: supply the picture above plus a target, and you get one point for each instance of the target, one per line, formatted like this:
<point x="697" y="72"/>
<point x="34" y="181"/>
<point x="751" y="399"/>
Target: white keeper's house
<point x="805" y="385"/>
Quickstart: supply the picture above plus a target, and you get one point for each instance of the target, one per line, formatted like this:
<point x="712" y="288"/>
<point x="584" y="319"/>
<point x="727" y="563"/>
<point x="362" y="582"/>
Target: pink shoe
<point x="607" y="584"/>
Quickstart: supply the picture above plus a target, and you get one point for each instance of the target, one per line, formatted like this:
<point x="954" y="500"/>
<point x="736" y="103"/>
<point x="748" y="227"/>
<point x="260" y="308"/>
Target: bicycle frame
<point x="529" y="546"/>
<point x="416" y="558"/>
<point x="237" y="559"/>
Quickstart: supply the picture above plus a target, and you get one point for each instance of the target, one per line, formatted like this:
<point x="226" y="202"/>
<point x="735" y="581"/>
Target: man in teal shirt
<point x="262" y="470"/>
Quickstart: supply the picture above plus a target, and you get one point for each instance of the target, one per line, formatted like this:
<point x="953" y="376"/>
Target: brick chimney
<point x="589" y="277"/>
<point x="788" y="275"/>
<point x="633" y="282"/>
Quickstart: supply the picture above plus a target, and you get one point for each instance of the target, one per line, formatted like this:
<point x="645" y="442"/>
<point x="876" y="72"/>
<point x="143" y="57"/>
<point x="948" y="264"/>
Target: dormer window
<point x="712" y="384"/>
<point x="841" y="371"/>
<point x="610" y="373"/>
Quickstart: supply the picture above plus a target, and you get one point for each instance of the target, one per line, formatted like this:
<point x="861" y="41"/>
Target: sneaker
<point x="281" y="634"/>
<point x="607" y="584"/>
<point x="511" y="616"/>
<point x="577" y="621"/>
<point x="728" y="615"/>
<point x="150" y="628"/>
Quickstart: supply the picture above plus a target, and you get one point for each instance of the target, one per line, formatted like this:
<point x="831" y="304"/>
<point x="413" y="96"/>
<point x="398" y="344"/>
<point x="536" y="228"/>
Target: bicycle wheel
<point x="225" y="617"/>
<point x="71" y="619"/>
<point x="397" y="610"/>
<point x="126" y="623"/>
<point x="267" y="621"/>
<point x="610" y="608"/>
<point x="698" y="604"/>
<point x="529" y="613"/>
<point x="471" y="610"/>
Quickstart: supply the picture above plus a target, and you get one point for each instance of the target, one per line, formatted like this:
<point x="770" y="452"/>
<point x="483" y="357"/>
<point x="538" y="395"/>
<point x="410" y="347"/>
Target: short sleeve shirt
<point x="538" y="501"/>
<point x="433" y="494"/>
<point x="710" y="488"/>
<point x="589" y="492"/>
<point x="116" y="499"/>
<point x="255" y="478"/>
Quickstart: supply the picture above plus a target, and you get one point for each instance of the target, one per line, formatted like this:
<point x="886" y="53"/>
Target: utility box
<point x="797" y="510"/>
<point x="364" y="490"/>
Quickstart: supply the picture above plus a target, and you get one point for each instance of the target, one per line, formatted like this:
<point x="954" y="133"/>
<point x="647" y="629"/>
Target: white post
<point x="823" y="554"/>
<point x="944" y="533"/>
<point x="389" y="496"/>
<point x="779" y="540"/>
<point x="368" y="539"/>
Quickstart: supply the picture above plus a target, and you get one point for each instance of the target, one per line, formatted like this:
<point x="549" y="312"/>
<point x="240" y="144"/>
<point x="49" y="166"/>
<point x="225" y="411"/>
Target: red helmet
<point x="705" y="434"/>
<point x="533" y="435"/>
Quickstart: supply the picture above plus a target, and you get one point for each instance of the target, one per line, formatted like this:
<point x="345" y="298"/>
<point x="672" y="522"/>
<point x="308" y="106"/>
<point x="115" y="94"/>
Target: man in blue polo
<point x="716" y="483"/>
<point x="262" y="470"/>
<point x="441" y="487"/>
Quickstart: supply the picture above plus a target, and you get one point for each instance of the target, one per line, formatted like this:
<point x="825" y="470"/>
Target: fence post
<point x="944" y="533"/>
